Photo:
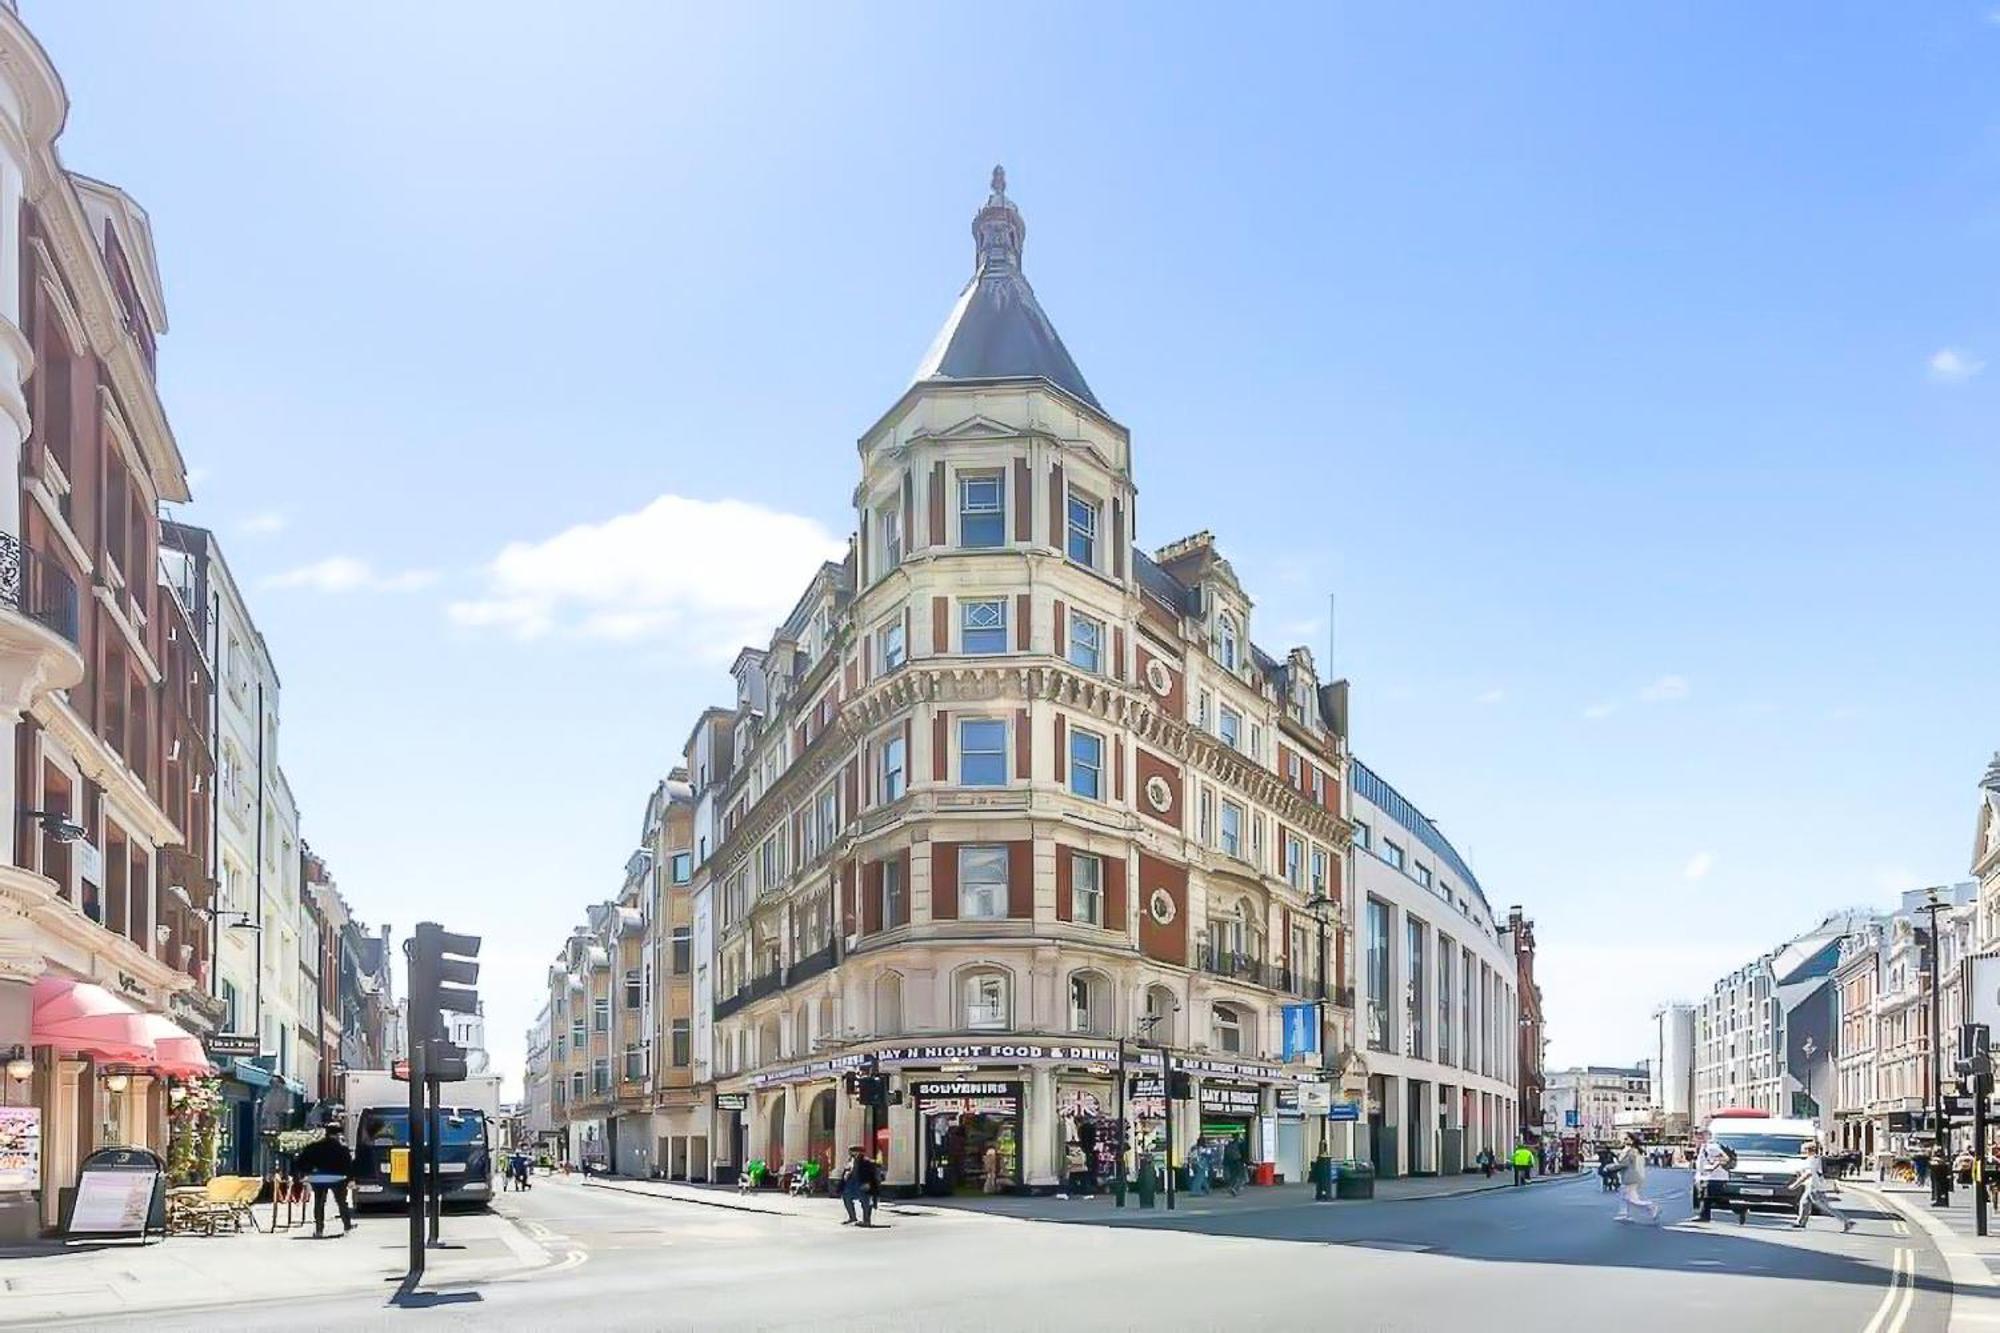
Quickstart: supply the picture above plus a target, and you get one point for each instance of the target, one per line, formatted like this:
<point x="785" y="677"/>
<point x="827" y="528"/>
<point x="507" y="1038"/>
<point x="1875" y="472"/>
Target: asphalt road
<point x="1536" y="1259"/>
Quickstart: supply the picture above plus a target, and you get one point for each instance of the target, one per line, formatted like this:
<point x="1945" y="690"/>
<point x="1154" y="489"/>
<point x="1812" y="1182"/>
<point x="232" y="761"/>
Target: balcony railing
<point x="37" y="587"/>
<point x="812" y="965"/>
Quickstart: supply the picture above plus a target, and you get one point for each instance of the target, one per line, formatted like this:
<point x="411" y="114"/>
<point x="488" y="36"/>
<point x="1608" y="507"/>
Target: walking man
<point x="327" y="1166"/>
<point x="1711" y="1169"/>
<point x="1232" y="1165"/>
<point x="857" y="1185"/>
<point x="1524" y="1162"/>
<point x="1812" y="1192"/>
<point x="1632" y="1180"/>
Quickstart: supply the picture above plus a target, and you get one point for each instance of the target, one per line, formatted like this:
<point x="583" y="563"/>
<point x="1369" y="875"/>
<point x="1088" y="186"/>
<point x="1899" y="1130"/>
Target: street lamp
<point x="1940" y="1180"/>
<point x="1321" y="907"/>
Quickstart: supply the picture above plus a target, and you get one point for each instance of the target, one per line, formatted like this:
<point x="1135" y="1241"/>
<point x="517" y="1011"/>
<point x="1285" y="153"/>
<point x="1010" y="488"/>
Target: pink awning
<point x="78" y="1018"/>
<point x="178" y="1051"/>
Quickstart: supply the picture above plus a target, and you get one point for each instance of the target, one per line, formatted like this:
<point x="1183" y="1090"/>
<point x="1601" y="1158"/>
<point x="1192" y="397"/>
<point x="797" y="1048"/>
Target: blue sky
<point x="1623" y="371"/>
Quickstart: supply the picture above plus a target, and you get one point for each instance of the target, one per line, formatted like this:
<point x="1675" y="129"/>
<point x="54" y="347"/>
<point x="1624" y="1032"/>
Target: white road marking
<point x="1909" y="1294"/>
<point x="1902" y="1260"/>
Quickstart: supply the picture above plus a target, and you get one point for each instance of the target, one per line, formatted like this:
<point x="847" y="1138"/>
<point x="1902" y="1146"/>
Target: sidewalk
<point x="1973" y="1261"/>
<point x="47" y="1282"/>
<point x="1098" y="1208"/>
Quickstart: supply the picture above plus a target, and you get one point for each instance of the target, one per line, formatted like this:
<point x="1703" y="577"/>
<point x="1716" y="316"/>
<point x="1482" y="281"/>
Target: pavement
<point x="1972" y="1261"/>
<point x="1507" y="1259"/>
<point x="46" y="1283"/>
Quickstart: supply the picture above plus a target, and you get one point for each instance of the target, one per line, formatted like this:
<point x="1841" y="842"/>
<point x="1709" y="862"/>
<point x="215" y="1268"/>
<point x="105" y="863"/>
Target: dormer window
<point x="982" y="505"/>
<point x="1225" y="641"/>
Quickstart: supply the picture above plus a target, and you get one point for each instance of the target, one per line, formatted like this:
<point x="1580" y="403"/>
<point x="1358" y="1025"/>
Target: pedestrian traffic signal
<point x="442" y="977"/>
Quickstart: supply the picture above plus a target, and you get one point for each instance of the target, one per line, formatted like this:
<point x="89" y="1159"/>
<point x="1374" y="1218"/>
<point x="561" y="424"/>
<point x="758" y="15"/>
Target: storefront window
<point x="1416" y="1034"/>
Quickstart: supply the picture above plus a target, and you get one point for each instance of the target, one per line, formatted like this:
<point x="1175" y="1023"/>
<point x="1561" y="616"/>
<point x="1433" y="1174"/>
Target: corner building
<point x="1006" y="793"/>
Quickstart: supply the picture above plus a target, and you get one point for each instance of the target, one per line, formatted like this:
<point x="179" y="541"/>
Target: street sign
<point x="1344" y="1111"/>
<point x="1315" y="1098"/>
<point x="1958" y="1104"/>
<point x="1301" y="1030"/>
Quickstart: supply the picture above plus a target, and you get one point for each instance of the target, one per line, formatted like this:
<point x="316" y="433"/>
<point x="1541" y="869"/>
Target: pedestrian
<point x="1485" y="1162"/>
<point x="1232" y="1165"/>
<point x="1632" y="1180"/>
<point x="327" y="1166"/>
<point x="1711" y="1171"/>
<point x="858" y="1184"/>
<point x="1811" y="1184"/>
<point x="1198" y="1168"/>
<point x="1075" y="1170"/>
<point x="1524" y="1162"/>
<point x="1940" y="1177"/>
<point x="991" y="1164"/>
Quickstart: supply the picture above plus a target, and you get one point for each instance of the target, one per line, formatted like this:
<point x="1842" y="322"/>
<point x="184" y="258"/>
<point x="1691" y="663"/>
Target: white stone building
<point x="1599" y="1095"/>
<point x="1672" y="1068"/>
<point x="1437" y="1000"/>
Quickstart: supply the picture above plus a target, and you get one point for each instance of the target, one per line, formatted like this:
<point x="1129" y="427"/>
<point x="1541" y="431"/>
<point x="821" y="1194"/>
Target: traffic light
<point x="442" y="977"/>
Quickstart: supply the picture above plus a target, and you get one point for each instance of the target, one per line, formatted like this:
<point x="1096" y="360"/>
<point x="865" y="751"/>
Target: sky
<point x="1622" y="371"/>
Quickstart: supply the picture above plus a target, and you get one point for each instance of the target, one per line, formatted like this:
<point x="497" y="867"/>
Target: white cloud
<point x="711" y="574"/>
<point x="1492" y="696"/>
<point x="1664" y="690"/>
<point x="1598" y="712"/>
<point x="342" y="573"/>
<point x="1948" y="365"/>
<point x="1698" y="866"/>
<point x="262" y="525"/>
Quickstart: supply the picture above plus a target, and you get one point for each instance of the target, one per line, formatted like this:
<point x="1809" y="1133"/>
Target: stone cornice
<point x="1024" y="679"/>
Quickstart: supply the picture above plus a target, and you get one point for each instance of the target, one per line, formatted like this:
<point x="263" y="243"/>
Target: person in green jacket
<point x="1524" y="1163"/>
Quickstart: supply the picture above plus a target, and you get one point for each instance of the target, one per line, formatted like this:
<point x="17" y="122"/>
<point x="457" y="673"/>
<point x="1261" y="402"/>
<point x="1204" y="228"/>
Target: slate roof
<point x="998" y="330"/>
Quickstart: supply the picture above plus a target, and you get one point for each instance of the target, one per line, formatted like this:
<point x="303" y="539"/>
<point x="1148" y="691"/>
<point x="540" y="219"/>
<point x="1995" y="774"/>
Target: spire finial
<point x="1991" y="781"/>
<point x="997" y="229"/>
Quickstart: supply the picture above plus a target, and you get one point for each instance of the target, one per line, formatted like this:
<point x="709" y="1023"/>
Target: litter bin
<point x="1356" y="1181"/>
<point x="1264" y="1173"/>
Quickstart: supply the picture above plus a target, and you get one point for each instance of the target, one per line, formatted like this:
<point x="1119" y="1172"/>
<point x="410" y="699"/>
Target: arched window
<point x="986" y="999"/>
<point x="888" y="1004"/>
<point x="1090" y="1003"/>
<point x="1160" y="1007"/>
<point x="801" y="1030"/>
<point x="825" y="1017"/>
<point x="1225" y="641"/>
<point x="1226" y="1028"/>
<point x="767" y="1041"/>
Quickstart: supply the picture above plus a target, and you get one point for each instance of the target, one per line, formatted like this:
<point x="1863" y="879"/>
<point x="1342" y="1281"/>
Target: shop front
<point x="730" y="1133"/>
<point x="970" y="1139"/>
<point x="1018" y="1114"/>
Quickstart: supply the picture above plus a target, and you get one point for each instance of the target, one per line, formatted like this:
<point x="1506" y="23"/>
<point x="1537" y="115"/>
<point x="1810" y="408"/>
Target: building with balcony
<point x="680" y="1119"/>
<point x="1008" y="795"/>
<point x="1437" y="997"/>
<point x="103" y="875"/>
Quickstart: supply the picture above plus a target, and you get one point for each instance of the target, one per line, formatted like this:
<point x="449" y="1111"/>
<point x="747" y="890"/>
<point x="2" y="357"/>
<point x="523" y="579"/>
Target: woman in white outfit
<point x="1632" y="1180"/>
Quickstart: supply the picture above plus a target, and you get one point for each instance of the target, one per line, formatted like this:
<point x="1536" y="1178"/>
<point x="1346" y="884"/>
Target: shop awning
<point x="245" y="1072"/>
<point x="79" y="1018"/>
<point x="177" y="1052"/>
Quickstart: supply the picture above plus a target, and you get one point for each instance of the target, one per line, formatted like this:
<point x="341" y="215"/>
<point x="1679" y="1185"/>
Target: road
<point x="1532" y="1259"/>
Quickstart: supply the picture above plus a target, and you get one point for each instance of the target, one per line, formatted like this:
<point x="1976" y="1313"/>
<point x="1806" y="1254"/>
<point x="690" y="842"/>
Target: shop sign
<point x="226" y="1046"/>
<point x="967" y="1097"/>
<point x="1235" y="1068"/>
<point x="1146" y="1097"/>
<point x="732" y="1101"/>
<point x="1225" y="1099"/>
<point x="119" y="1192"/>
<point x="1344" y="1111"/>
<point x="1314" y="1098"/>
<point x="20" y="1147"/>
<point x="1288" y="1101"/>
<point x="960" y="1052"/>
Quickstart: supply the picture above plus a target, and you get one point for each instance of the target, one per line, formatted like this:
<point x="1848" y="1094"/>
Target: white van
<point x="1770" y="1154"/>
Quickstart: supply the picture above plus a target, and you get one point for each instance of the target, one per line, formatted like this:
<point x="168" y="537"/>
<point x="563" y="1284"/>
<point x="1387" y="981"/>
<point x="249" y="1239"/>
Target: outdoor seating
<point x="205" y="1210"/>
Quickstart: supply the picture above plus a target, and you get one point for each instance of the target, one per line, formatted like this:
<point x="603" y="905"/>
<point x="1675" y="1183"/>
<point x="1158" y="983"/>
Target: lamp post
<point x="1940" y="1180"/>
<point x="1321" y="907"/>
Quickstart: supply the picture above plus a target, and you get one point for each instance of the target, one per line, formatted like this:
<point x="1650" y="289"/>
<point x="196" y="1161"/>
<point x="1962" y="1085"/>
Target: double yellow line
<point x="1902" y="1290"/>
